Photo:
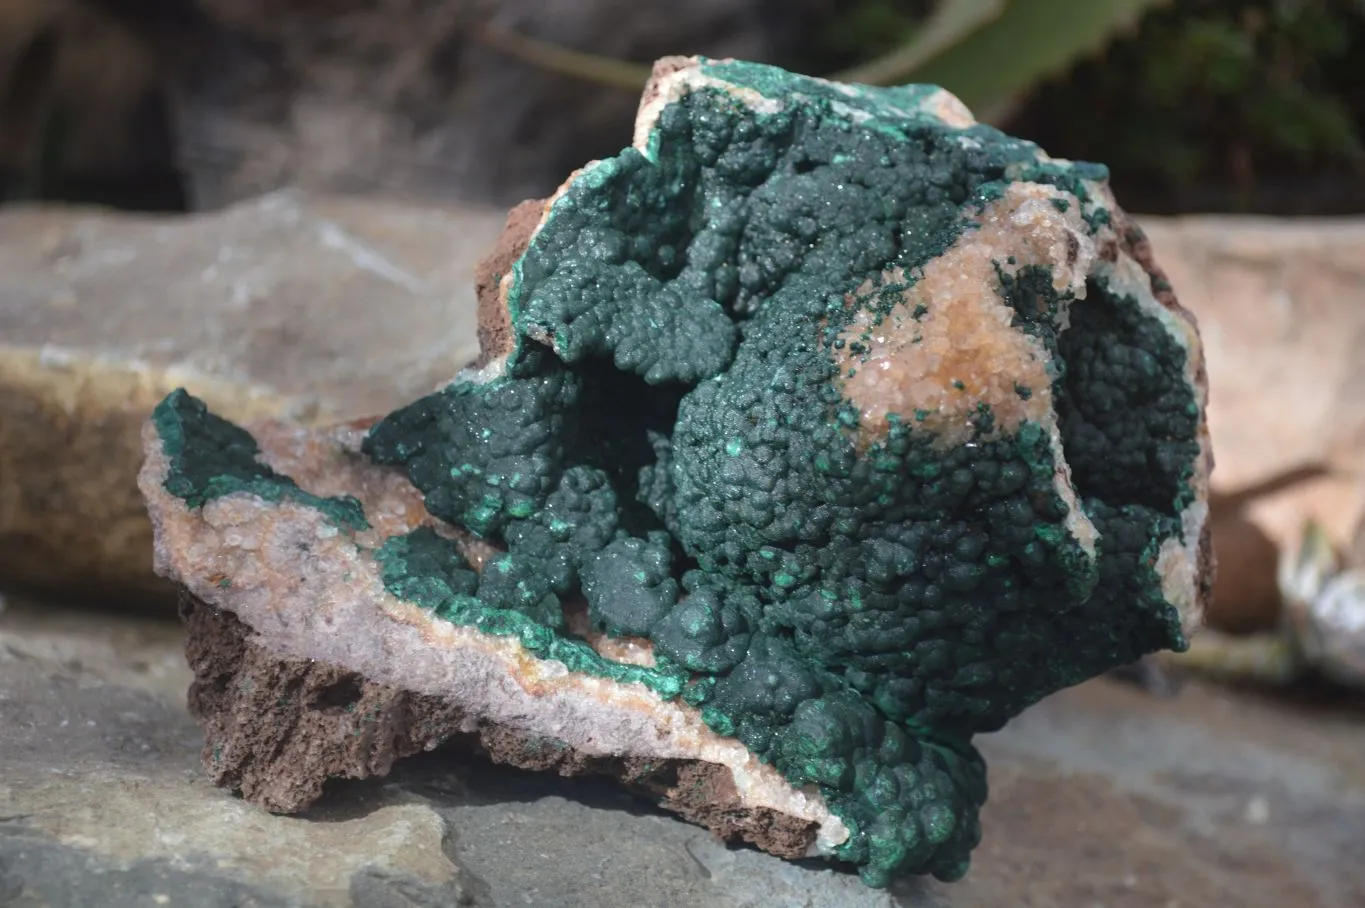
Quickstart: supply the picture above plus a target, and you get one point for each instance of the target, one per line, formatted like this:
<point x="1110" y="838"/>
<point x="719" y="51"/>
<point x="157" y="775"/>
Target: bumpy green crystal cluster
<point x="667" y="439"/>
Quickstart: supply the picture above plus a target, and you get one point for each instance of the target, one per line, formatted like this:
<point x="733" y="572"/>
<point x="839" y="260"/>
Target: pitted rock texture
<point x="813" y="435"/>
<point x="277" y="729"/>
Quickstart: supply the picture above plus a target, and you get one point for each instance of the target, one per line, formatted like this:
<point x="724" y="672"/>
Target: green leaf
<point x="987" y="52"/>
<point x="551" y="57"/>
<point x="950" y="23"/>
<point x="1030" y="41"/>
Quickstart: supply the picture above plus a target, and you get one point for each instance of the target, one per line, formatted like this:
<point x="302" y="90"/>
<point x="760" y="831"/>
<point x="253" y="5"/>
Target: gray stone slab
<point x="1101" y="796"/>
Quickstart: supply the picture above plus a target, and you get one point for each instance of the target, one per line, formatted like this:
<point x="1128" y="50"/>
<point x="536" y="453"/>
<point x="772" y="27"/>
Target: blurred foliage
<point x="987" y="52"/>
<point x="1221" y="105"/>
<point x="1000" y="54"/>
<point x="1215" y="105"/>
<point x="944" y="27"/>
<point x="1212" y="105"/>
<point x="873" y="27"/>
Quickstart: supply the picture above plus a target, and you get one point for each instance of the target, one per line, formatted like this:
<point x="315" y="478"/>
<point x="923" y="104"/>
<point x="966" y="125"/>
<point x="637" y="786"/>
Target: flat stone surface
<point x="1101" y="795"/>
<point x="307" y="307"/>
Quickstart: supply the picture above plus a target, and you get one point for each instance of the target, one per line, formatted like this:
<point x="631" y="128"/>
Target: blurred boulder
<point x="1281" y="308"/>
<point x="308" y="307"/>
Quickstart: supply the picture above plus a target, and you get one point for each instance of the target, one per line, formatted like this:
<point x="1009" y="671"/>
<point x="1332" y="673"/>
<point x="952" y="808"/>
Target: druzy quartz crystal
<point x="814" y="434"/>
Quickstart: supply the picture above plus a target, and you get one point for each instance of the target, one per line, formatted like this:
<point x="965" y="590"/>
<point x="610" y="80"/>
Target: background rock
<point x="1100" y="796"/>
<point x="1281" y="308"/>
<point x="101" y="802"/>
<point x="402" y="97"/>
<point x="67" y="61"/>
<point x="305" y="307"/>
<point x="167" y="104"/>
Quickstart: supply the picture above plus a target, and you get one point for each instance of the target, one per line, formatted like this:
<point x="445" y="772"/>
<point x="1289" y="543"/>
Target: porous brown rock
<point x="276" y="729"/>
<point x="495" y="327"/>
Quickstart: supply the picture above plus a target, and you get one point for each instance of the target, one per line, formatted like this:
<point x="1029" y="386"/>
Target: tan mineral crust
<point x="965" y="332"/>
<point x="963" y="348"/>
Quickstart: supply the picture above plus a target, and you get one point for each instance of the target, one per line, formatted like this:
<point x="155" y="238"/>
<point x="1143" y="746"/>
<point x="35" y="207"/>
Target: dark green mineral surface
<point x="667" y="440"/>
<point x="210" y="457"/>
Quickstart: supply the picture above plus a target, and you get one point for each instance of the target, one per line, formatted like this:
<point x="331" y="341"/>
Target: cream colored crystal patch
<point x="947" y="346"/>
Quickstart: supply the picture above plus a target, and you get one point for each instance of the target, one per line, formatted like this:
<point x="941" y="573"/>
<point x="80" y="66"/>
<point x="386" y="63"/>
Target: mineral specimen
<point x="814" y="434"/>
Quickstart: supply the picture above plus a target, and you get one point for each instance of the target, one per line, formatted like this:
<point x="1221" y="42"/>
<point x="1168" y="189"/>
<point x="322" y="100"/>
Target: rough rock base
<point x="277" y="729"/>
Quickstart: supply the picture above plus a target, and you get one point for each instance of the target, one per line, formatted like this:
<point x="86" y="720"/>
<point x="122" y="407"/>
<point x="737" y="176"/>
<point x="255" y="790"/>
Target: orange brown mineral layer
<point x="495" y="323"/>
